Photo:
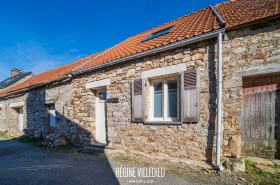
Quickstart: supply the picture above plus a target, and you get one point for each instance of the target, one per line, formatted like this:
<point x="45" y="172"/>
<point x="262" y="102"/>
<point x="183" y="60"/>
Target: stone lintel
<point x="164" y="71"/>
<point x="17" y="104"/>
<point x="98" y="84"/>
<point x="49" y="102"/>
<point x="261" y="70"/>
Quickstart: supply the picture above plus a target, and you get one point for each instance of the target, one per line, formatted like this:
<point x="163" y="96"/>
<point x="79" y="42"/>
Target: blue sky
<point x="42" y="35"/>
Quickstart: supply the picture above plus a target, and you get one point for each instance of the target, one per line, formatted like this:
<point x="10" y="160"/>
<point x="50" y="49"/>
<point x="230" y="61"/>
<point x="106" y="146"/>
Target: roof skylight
<point x="8" y="80"/>
<point x="159" y="33"/>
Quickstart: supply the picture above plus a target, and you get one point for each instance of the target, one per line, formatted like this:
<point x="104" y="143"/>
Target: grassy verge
<point x="28" y="139"/>
<point x="255" y="175"/>
<point x="273" y="166"/>
<point x="132" y="160"/>
<point x="4" y="136"/>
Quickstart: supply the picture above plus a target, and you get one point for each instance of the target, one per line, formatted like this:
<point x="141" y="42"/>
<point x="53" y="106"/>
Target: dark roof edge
<point x="22" y="75"/>
<point x="221" y="20"/>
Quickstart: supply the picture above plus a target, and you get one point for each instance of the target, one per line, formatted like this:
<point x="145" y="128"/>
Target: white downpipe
<point x="219" y="106"/>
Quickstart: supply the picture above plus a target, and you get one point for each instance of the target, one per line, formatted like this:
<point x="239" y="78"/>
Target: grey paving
<point x="22" y="163"/>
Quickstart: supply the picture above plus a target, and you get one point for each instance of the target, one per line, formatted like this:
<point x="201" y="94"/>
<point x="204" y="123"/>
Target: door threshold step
<point x="99" y="145"/>
<point x="94" y="148"/>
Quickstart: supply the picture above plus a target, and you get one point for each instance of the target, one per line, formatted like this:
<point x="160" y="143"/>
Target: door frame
<point x="97" y="112"/>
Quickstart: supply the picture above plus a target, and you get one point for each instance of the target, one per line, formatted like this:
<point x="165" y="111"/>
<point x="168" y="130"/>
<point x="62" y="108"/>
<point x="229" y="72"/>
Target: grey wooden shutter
<point x="190" y="96"/>
<point x="138" y="100"/>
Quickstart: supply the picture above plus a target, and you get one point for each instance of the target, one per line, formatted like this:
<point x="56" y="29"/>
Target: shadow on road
<point x="23" y="163"/>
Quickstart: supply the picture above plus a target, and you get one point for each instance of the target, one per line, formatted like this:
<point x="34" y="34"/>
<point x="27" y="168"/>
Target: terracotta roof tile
<point x="187" y="26"/>
<point x="50" y="75"/>
<point x="196" y="23"/>
<point x="237" y="12"/>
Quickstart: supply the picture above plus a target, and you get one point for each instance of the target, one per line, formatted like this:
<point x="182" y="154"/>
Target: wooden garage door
<point x="260" y="127"/>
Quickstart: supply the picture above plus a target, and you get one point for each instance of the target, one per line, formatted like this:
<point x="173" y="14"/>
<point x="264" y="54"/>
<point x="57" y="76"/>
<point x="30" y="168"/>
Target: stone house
<point x="156" y="93"/>
<point x="17" y="77"/>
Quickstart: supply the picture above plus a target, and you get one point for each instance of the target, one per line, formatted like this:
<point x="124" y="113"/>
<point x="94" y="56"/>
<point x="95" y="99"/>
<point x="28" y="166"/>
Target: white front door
<point x="101" y="117"/>
<point x="52" y="116"/>
<point x="20" y="119"/>
<point x="52" y="119"/>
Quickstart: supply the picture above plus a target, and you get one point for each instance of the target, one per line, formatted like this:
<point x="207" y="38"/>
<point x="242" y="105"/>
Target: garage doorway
<point x="261" y="116"/>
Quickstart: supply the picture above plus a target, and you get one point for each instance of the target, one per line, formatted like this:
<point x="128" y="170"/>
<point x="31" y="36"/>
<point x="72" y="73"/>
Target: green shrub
<point x="28" y="139"/>
<point x="4" y="136"/>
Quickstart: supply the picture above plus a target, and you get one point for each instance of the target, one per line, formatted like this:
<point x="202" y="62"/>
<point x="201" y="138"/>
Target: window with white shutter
<point x="173" y="100"/>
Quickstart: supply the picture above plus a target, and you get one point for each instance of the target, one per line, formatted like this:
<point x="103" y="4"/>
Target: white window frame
<point x="164" y="99"/>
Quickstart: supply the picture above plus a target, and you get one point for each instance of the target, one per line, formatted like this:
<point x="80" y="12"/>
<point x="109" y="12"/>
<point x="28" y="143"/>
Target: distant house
<point x="17" y="77"/>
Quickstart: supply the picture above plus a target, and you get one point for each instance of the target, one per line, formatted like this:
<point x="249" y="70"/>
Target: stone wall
<point x="9" y="119"/>
<point x="257" y="45"/>
<point x="2" y="120"/>
<point x="194" y="141"/>
<point x="35" y="112"/>
<point x="38" y="111"/>
<point x="75" y="105"/>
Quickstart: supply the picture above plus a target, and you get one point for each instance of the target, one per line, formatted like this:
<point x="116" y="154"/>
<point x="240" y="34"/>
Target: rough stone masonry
<point x="257" y="45"/>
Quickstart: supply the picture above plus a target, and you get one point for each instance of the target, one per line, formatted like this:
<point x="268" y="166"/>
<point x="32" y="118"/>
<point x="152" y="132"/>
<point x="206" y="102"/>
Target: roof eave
<point x="36" y="86"/>
<point x="155" y="50"/>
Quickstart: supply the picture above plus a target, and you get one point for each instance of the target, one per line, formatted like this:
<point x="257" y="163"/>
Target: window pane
<point x="102" y="96"/>
<point x="172" y="98"/>
<point x="158" y="99"/>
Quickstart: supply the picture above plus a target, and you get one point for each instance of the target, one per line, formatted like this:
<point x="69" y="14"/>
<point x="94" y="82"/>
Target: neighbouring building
<point x="156" y="92"/>
<point x="17" y="77"/>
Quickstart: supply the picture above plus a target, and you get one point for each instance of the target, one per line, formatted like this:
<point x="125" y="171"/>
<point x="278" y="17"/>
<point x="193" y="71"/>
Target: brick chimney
<point x="15" y="71"/>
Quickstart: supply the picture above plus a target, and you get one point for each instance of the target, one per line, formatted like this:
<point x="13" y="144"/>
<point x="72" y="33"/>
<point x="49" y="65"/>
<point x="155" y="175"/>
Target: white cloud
<point x="34" y="57"/>
<point x="73" y="50"/>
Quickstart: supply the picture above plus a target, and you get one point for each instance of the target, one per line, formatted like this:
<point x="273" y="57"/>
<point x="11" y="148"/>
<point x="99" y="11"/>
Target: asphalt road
<point x="23" y="163"/>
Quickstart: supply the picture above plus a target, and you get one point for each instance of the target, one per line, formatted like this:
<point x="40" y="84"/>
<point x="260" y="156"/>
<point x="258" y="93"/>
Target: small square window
<point x="164" y="99"/>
